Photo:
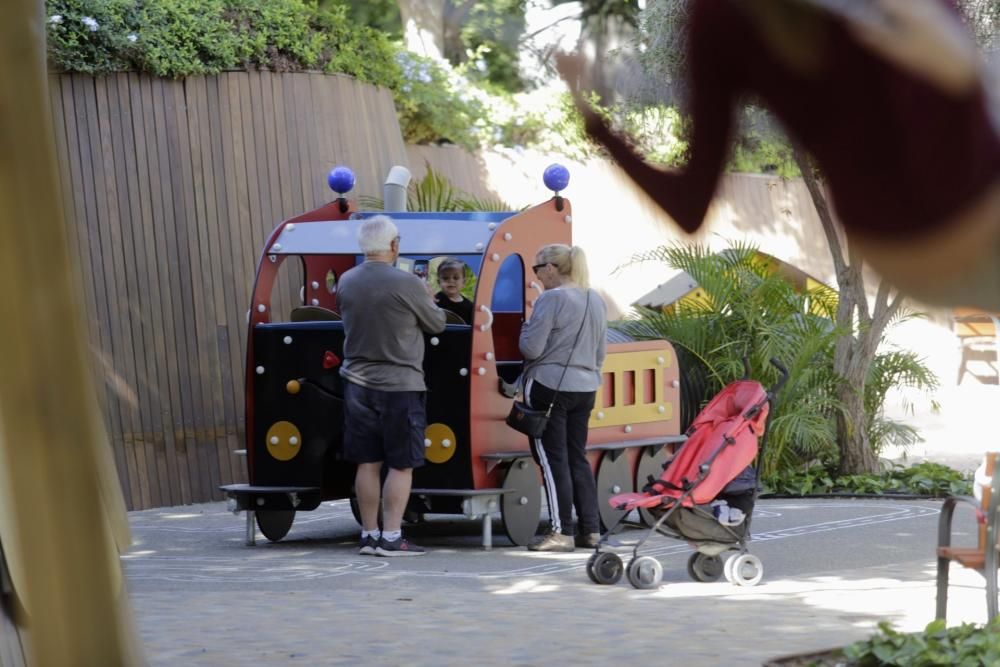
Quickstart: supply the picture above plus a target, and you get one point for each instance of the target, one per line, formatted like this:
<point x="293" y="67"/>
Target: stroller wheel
<point x="605" y="568"/>
<point x="727" y="569"/>
<point x="645" y="572"/>
<point x="702" y="567"/>
<point x="746" y="570"/>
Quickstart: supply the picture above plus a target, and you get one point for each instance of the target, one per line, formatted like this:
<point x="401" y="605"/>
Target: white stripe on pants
<point x="547" y="478"/>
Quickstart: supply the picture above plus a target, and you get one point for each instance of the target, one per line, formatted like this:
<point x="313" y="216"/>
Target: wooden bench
<point x="984" y="556"/>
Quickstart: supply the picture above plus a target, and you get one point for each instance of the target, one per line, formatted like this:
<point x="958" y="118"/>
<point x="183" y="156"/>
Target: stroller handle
<point x="782" y="380"/>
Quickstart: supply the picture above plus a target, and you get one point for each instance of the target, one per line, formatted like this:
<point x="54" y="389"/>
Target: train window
<point x="607" y="397"/>
<point x="507" y="304"/>
<point x="628" y="388"/>
<point x="425" y="268"/>
<point x="289" y="288"/>
<point x="468" y="289"/>
<point x="648" y="385"/>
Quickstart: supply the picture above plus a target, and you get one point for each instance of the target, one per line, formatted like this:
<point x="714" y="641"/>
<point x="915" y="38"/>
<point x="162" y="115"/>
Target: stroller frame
<point x="705" y="564"/>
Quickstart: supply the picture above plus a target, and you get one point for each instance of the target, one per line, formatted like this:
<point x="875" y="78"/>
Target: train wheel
<point x="275" y="523"/>
<point x="650" y="463"/>
<point x="747" y="570"/>
<point x="613" y="477"/>
<point x="605" y="568"/>
<point x="645" y="572"/>
<point x="408" y="516"/>
<point x="521" y="505"/>
<point x="356" y="510"/>
<point x="704" y="568"/>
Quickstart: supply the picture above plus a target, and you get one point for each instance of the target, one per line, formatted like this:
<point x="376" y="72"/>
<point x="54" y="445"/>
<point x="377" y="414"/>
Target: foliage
<point x="488" y="40"/>
<point x="929" y="479"/>
<point x="88" y="36"/>
<point x="983" y="19"/>
<point x="382" y="15"/>
<point x="434" y="103"/>
<point x="175" y="38"/>
<point x="756" y="152"/>
<point x="434" y="192"/>
<point x="596" y="14"/>
<point x="894" y="369"/>
<point x="750" y="310"/>
<point x="962" y="645"/>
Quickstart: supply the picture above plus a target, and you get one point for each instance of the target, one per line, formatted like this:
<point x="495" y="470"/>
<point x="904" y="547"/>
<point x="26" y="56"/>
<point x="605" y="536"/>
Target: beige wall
<point x="612" y="220"/>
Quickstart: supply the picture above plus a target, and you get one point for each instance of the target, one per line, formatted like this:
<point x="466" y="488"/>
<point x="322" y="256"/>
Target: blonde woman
<point x="563" y="344"/>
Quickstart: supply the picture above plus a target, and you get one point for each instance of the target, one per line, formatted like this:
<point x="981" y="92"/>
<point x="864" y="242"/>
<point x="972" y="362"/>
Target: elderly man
<point x="385" y="312"/>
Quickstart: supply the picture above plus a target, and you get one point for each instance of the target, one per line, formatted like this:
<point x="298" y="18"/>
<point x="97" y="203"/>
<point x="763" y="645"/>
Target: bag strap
<point x="579" y="331"/>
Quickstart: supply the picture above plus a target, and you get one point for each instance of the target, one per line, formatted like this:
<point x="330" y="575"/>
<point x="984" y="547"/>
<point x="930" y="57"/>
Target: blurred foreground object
<point x="62" y="515"/>
<point x="889" y="98"/>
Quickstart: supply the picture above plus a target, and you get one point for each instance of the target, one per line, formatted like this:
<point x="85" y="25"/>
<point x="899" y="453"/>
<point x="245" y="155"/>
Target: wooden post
<point x="62" y="515"/>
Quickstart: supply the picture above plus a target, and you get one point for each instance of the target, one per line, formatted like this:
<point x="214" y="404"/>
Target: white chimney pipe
<point x="394" y="190"/>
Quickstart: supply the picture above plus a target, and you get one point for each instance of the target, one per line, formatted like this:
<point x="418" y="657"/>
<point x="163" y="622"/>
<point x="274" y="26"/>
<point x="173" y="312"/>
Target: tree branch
<point x="822" y="209"/>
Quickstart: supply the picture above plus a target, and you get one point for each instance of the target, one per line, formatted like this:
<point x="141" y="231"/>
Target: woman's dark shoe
<point x="553" y="542"/>
<point x="588" y="540"/>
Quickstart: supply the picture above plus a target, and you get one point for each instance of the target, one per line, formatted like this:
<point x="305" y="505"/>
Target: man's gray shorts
<point x="384" y="426"/>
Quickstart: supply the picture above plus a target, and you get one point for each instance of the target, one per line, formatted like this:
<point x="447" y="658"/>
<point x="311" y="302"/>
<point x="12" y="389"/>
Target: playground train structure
<point x="475" y="465"/>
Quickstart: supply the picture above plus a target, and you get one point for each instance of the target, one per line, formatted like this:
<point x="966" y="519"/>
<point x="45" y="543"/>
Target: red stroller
<point x="704" y="496"/>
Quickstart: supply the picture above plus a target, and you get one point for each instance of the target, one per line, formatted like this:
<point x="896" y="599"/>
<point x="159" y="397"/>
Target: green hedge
<point x="177" y="38"/>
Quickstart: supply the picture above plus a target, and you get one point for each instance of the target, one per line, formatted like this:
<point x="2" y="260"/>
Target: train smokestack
<point x="394" y="190"/>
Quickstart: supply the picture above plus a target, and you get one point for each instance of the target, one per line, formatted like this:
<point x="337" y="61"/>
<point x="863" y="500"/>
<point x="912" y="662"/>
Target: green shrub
<point x="964" y="645"/>
<point x="176" y="38"/>
<point x="91" y="37"/>
<point x="748" y="309"/>
<point x="925" y="479"/>
<point x="180" y="37"/>
<point x="435" y="103"/>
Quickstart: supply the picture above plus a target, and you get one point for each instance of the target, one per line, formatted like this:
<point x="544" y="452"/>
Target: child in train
<point x="451" y="280"/>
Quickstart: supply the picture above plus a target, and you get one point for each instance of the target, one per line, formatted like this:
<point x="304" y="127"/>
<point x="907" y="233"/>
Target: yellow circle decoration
<point x="439" y="443"/>
<point x="283" y="440"/>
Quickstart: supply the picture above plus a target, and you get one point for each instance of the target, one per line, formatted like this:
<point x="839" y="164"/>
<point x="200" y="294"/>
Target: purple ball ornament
<point x="556" y="177"/>
<point x="340" y="179"/>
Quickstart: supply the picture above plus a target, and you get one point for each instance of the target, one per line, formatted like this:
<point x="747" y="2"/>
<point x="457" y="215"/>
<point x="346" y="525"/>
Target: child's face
<point x="452" y="281"/>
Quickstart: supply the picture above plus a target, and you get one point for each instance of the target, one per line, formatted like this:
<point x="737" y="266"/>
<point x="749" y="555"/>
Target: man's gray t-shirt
<point x="385" y="313"/>
<point x="547" y="339"/>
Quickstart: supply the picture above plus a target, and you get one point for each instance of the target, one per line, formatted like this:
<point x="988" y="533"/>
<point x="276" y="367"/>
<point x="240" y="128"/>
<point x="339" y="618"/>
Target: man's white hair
<point x="376" y="234"/>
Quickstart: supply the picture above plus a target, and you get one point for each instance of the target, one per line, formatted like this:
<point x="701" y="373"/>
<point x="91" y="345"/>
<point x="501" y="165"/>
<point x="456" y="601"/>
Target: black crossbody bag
<point x="533" y="422"/>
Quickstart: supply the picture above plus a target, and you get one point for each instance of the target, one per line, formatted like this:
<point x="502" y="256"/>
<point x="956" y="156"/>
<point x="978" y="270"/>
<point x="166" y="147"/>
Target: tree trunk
<point x="862" y="331"/>
<point x="856" y="455"/>
<point x="423" y="26"/>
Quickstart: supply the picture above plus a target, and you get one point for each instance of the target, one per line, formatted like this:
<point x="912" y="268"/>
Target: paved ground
<point x="833" y="569"/>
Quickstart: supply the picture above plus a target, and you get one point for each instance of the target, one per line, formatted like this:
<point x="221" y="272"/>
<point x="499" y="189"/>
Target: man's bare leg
<point x="395" y="495"/>
<point x="367" y="487"/>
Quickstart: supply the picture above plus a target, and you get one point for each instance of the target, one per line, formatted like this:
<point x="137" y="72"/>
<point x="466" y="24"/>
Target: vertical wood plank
<point x="168" y="265"/>
<point x="207" y="294"/>
<point x="283" y="140"/>
<point x="123" y="149"/>
<point x="147" y="159"/>
<point x="187" y="283"/>
<point x="120" y="374"/>
<point x="229" y="313"/>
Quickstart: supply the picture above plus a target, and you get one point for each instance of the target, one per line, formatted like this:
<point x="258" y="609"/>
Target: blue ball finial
<point x="340" y="179"/>
<point x="556" y="177"/>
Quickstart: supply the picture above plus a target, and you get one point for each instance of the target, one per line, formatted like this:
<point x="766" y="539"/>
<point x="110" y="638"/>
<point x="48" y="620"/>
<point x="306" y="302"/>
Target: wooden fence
<point x="170" y="189"/>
